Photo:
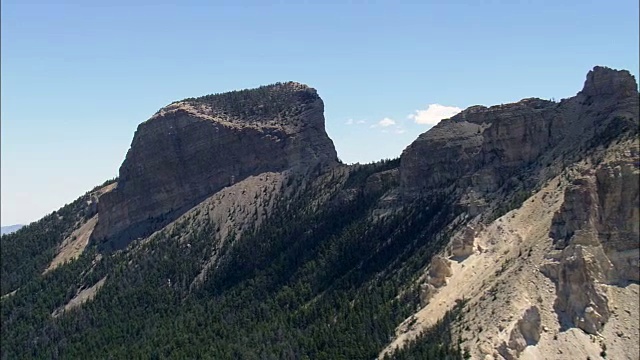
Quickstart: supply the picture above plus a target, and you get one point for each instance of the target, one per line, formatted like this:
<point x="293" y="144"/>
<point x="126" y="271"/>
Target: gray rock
<point x="525" y="332"/>
<point x="193" y="148"/>
<point x="482" y="149"/>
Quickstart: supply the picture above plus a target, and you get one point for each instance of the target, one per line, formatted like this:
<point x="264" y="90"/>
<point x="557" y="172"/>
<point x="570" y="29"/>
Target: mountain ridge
<point x="10" y="228"/>
<point x="504" y="232"/>
<point x="192" y="148"/>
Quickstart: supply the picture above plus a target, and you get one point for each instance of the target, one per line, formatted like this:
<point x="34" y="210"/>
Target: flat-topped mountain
<point x="505" y="232"/>
<point x="192" y="148"/>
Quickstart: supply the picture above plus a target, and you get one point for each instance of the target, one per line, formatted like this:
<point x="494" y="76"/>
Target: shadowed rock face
<point x="481" y="148"/>
<point x="193" y="148"/>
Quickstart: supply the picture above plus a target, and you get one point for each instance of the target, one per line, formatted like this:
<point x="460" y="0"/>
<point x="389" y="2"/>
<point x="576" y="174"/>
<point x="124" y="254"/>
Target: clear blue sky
<point x="78" y="76"/>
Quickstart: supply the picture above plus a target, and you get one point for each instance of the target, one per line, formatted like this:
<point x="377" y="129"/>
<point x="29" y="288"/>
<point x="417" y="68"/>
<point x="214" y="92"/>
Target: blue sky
<point x="78" y="76"/>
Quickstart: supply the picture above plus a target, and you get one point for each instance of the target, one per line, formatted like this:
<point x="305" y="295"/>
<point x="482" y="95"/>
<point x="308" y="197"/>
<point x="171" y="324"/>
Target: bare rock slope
<point x="547" y="250"/>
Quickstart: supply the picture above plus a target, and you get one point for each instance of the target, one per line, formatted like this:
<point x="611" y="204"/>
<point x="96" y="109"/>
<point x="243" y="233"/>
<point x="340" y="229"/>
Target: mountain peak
<point x="192" y="148"/>
<point x="603" y="80"/>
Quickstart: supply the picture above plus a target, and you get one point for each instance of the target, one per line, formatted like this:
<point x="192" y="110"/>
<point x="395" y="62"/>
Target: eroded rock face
<point x="488" y="158"/>
<point x="463" y="244"/>
<point x="596" y="232"/>
<point x="580" y="274"/>
<point x="578" y="215"/>
<point x="525" y="332"/>
<point x="439" y="272"/>
<point x="619" y="218"/>
<point x="427" y="291"/>
<point x="193" y="148"/>
<point x="602" y="81"/>
<point x="477" y="147"/>
<point x="482" y="148"/>
<point x="377" y="181"/>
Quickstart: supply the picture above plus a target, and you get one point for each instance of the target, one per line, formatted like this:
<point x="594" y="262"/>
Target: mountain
<point x="10" y="228"/>
<point x="233" y="232"/>
<point x="193" y="148"/>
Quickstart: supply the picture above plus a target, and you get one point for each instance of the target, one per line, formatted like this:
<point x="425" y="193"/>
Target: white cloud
<point x="433" y="114"/>
<point x="388" y="125"/>
<point x="355" y="122"/>
<point x="386" y="122"/>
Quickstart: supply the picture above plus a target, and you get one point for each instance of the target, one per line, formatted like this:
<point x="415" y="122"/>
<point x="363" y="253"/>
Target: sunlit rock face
<point x="482" y="148"/>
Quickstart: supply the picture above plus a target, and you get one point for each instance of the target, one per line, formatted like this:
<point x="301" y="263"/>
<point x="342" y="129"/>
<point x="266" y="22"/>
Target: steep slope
<point x="10" y="229"/>
<point x="44" y="244"/>
<point x="569" y="173"/>
<point x="482" y="149"/>
<point x="504" y="232"/>
<point x="192" y="148"/>
<point x="318" y="259"/>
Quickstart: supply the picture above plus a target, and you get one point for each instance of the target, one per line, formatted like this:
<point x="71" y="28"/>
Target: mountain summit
<point x="192" y="148"/>
<point x="505" y="232"/>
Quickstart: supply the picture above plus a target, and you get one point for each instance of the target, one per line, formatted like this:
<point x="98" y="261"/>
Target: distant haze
<point x="10" y="228"/>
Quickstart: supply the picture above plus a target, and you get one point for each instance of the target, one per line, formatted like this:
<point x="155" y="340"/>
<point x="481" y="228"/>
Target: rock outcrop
<point x="605" y="82"/>
<point x="596" y="234"/>
<point x="618" y="216"/>
<point x="580" y="273"/>
<point x="481" y="149"/>
<point x="557" y="185"/>
<point x="195" y="147"/>
<point x="378" y="181"/>
<point x="462" y="245"/>
<point x="476" y="147"/>
<point x="439" y="271"/>
<point x="525" y="332"/>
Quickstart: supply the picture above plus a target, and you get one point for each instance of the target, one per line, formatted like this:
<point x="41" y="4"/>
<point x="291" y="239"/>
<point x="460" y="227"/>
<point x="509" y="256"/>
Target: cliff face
<point x="548" y="230"/>
<point x="524" y="217"/>
<point x="596" y="236"/>
<point x="601" y="208"/>
<point x="193" y="148"/>
<point x="482" y="147"/>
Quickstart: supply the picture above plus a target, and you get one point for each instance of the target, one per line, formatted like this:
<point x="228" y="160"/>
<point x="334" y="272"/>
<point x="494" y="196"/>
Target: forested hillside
<point x="325" y="284"/>
<point x="233" y="232"/>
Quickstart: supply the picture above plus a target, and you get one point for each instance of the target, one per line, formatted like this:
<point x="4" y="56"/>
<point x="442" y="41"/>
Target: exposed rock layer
<point x="525" y="332"/>
<point x="560" y="253"/>
<point x="191" y="149"/>
<point x="596" y="232"/>
<point x="482" y="148"/>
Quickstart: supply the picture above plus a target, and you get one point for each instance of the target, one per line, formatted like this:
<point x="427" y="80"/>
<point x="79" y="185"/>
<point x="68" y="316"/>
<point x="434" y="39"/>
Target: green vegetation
<point x="360" y="173"/>
<point x="435" y="343"/>
<point x="28" y="251"/>
<point x="308" y="284"/>
<point x="612" y="130"/>
<point x="514" y="202"/>
<point x="264" y="102"/>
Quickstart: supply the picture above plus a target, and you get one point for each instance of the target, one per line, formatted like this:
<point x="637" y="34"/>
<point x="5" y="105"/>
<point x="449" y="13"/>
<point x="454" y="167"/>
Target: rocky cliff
<point x="597" y="240"/>
<point x="195" y="147"/>
<point x="546" y="249"/>
<point x="506" y="232"/>
<point x="482" y="148"/>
